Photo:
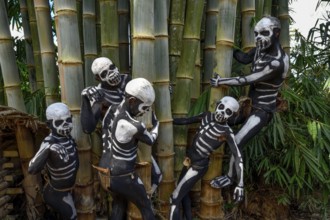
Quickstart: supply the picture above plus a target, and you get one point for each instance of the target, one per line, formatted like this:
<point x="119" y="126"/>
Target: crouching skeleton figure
<point x="96" y="101"/>
<point x="121" y="142"/>
<point x="269" y="68"/>
<point x="58" y="152"/>
<point x="211" y="134"/>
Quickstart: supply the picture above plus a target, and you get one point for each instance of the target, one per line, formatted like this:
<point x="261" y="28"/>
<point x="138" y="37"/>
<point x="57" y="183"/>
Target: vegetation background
<point x="178" y="45"/>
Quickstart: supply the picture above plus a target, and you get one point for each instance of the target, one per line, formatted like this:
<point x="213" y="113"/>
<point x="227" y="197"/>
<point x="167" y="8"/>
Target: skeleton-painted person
<point x="58" y="153"/>
<point x="269" y="68"/>
<point x="118" y="160"/>
<point x="211" y="134"/>
<point x="96" y="101"/>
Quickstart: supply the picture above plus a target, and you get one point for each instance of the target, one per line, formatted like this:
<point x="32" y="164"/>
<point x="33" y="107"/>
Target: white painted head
<point x="106" y="70"/>
<point x="264" y="32"/>
<point x="59" y="115"/>
<point x="143" y="90"/>
<point x="226" y="107"/>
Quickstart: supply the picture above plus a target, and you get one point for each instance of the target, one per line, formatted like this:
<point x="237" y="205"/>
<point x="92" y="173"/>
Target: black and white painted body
<point x="211" y="134"/>
<point x="97" y="100"/>
<point x="58" y="153"/>
<point x="269" y="68"/>
<point x="121" y="144"/>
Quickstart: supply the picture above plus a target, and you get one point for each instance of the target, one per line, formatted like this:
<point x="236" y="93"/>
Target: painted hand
<point x="215" y="80"/>
<point x="61" y="151"/>
<point x="238" y="194"/>
<point x="221" y="182"/>
<point x="93" y="93"/>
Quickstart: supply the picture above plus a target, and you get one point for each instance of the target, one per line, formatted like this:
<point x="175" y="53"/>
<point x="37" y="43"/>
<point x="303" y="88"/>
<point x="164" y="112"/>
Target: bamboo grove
<point x="177" y="45"/>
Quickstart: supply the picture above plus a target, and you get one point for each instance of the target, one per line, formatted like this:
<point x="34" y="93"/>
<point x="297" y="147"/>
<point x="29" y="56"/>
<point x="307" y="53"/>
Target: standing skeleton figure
<point x="96" y="101"/>
<point x="211" y="134"/>
<point x="270" y="65"/>
<point x="58" y="152"/>
<point x="121" y="143"/>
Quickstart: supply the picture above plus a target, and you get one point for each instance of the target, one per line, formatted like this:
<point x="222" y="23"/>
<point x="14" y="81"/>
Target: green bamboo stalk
<point x="143" y="65"/>
<point x="195" y="94"/>
<point x="211" y="201"/>
<point x="109" y="30"/>
<point x="259" y="6"/>
<point x="47" y="50"/>
<point x="284" y="17"/>
<point x="248" y="12"/>
<point x="98" y="27"/>
<point x="164" y="147"/>
<point x="35" y="45"/>
<point x="275" y="8"/>
<point x="184" y="76"/>
<point x="28" y="46"/>
<point x="8" y="64"/>
<point x="176" y="25"/>
<point x="268" y="7"/>
<point x="90" y="45"/>
<point x="71" y="75"/>
<point x="79" y="6"/>
<point x="123" y="11"/>
<point x="212" y="12"/>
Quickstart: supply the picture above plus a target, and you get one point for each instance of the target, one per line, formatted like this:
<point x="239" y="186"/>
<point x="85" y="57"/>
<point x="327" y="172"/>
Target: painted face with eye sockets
<point x="264" y="32"/>
<point x="59" y="119"/>
<point x="226" y="107"/>
<point x="106" y="70"/>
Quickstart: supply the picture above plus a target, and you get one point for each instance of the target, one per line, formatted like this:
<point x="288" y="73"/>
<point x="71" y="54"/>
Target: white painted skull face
<point x="226" y="107"/>
<point x="106" y="70"/>
<point x="143" y="90"/>
<point x="264" y="32"/>
<point x="59" y="116"/>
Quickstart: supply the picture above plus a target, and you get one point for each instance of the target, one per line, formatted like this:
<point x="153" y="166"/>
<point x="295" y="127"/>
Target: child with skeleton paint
<point x="58" y="154"/>
<point x="211" y="134"/>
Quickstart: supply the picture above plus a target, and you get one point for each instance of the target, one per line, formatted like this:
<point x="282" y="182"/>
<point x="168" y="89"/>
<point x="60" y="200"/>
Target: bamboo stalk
<point x="8" y="64"/>
<point x="184" y="76"/>
<point x="268" y="7"/>
<point x="89" y="40"/>
<point x="259" y="6"/>
<point x="211" y="199"/>
<point x="212" y="12"/>
<point x="35" y="45"/>
<point x="31" y="183"/>
<point x="28" y="46"/>
<point x="176" y="25"/>
<point x="283" y="15"/>
<point x="71" y="76"/>
<point x="109" y="30"/>
<point x="47" y="51"/>
<point x="143" y="63"/>
<point x="123" y="12"/>
<point x="164" y="146"/>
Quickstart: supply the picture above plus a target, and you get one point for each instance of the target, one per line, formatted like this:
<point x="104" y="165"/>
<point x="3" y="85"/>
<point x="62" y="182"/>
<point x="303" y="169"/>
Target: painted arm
<point x="189" y="120"/>
<point x="39" y="160"/>
<point x="91" y="108"/>
<point x="244" y="58"/>
<point x="149" y="137"/>
<point x="239" y="190"/>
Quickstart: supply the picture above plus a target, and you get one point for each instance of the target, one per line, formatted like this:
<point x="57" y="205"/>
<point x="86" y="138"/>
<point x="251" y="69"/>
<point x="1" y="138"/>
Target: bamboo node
<point x="225" y="42"/>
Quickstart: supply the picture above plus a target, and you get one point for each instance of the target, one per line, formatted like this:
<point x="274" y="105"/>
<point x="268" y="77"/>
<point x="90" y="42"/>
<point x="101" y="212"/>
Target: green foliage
<point x="34" y="101"/>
